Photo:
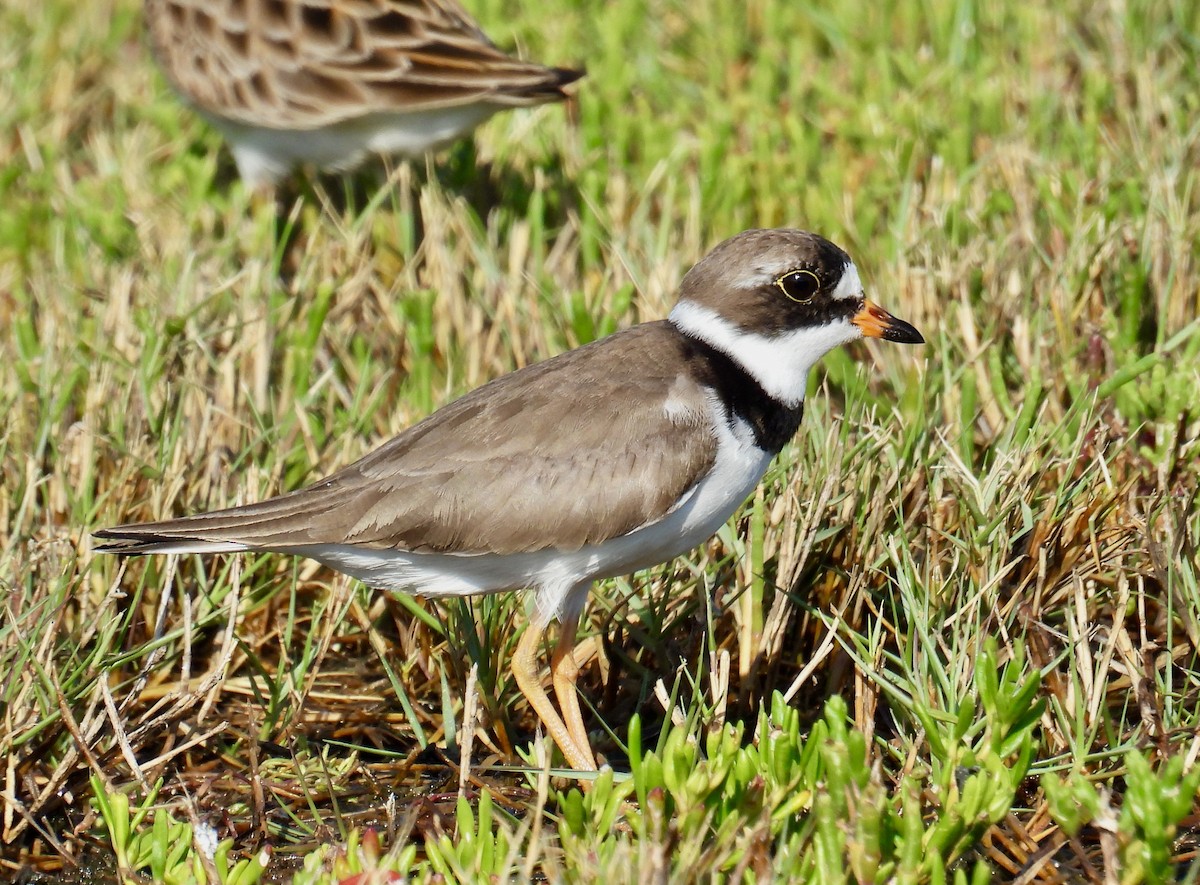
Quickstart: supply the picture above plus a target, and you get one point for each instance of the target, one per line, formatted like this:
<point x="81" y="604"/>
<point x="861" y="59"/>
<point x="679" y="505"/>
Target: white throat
<point x="780" y="363"/>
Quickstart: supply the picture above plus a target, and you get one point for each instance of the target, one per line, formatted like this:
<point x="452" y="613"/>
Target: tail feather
<point x="272" y="524"/>
<point x="136" y="544"/>
<point x="542" y="85"/>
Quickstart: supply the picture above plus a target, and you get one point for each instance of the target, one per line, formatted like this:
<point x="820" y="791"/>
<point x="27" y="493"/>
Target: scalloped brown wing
<point x="284" y="64"/>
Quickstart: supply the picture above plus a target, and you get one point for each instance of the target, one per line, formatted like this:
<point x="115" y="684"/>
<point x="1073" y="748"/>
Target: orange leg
<point x="565" y="670"/>
<point x="526" y="671"/>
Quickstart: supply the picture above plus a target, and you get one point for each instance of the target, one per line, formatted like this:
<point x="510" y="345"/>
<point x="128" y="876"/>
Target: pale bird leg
<point x="525" y="671"/>
<point x="564" y="669"/>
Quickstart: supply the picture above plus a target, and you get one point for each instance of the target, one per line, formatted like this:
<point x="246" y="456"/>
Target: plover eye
<point x="799" y="285"/>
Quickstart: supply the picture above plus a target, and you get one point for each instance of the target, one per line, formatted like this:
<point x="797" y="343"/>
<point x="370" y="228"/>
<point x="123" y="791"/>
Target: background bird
<point x="328" y="82"/>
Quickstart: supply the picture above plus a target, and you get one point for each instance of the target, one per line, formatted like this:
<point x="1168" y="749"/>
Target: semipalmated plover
<point x="601" y="461"/>
<point x="330" y="81"/>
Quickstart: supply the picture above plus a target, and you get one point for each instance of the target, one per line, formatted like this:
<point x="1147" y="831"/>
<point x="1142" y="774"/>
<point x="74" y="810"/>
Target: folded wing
<point x="573" y="451"/>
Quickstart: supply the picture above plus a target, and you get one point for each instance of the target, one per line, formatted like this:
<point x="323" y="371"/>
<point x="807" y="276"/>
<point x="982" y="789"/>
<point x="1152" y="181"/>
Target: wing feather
<point x="573" y="451"/>
<point x="292" y="65"/>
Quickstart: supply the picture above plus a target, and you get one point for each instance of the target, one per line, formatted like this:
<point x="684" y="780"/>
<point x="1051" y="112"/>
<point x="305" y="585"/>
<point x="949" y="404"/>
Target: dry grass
<point x="1021" y="184"/>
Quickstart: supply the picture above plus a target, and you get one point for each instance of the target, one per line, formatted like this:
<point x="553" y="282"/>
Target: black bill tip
<point x="875" y="322"/>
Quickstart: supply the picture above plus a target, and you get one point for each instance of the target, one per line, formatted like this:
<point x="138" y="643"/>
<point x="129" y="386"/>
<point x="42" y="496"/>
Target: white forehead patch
<point x="849" y="286"/>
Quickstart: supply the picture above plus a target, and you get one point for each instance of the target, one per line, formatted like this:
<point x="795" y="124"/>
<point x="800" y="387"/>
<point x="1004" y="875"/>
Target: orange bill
<point x="876" y="322"/>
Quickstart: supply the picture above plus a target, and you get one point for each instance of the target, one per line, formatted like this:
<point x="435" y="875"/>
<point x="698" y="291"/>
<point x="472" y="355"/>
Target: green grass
<point x="980" y="555"/>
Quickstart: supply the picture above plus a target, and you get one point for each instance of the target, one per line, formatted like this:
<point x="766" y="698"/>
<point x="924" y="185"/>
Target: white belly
<point x="266" y="155"/>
